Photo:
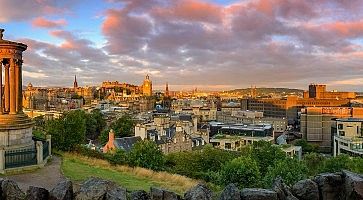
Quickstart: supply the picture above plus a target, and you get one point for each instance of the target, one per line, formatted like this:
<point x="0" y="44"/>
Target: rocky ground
<point x="330" y="186"/>
<point x="46" y="177"/>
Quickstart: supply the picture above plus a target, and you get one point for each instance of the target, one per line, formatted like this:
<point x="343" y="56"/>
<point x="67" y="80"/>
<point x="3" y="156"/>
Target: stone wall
<point x="330" y="186"/>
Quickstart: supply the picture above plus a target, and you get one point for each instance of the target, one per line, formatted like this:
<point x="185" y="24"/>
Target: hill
<point x="268" y="91"/>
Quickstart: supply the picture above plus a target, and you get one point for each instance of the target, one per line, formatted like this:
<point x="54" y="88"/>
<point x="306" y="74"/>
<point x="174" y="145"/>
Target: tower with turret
<point x="147" y="88"/>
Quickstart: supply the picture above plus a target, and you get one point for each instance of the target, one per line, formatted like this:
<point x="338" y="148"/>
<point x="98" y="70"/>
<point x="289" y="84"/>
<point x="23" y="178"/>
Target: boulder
<point x="36" y="193"/>
<point x="10" y="190"/>
<point x="230" y="192"/>
<point x="282" y="190"/>
<point x="353" y="185"/>
<point x="199" y="192"/>
<point x="98" y="189"/>
<point x="160" y="194"/>
<point x="330" y="186"/>
<point x="115" y="192"/>
<point x="140" y="195"/>
<point x="306" y="190"/>
<point x="62" y="191"/>
<point x="258" y="194"/>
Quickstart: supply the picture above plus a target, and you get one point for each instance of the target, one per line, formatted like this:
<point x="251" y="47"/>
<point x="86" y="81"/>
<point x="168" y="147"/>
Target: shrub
<point x="146" y="154"/>
<point x="242" y="171"/>
<point x="290" y="170"/>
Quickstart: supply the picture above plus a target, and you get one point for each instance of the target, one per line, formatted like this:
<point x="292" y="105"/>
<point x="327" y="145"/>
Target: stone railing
<point x="331" y="186"/>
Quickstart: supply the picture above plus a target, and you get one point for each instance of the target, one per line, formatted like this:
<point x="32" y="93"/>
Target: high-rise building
<point x="147" y="88"/>
<point x="318" y="123"/>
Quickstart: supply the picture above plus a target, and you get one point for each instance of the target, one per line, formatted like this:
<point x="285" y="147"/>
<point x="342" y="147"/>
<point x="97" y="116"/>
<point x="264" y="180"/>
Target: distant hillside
<point x="268" y="91"/>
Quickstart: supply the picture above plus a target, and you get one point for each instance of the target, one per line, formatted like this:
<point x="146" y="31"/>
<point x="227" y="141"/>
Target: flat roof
<point x="351" y="119"/>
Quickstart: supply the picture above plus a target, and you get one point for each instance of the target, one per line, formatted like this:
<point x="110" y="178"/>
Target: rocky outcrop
<point x="353" y="185"/>
<point x="10" y="190"/>
<point x="160" y="194"/>
<point x="282" y="190"/>
<point x="338" y="186"/>
<point x="62" y="191"/>
<point x="230" y="192"/>
<point x="200" y="192"/>
<point x="98" y="189"/>
<point x="306" y="190"/>
<point x="140" y="195"/>
<point x="36" y="193"/>
<point x="330" y="186"/>
<point x="258" y="194"/>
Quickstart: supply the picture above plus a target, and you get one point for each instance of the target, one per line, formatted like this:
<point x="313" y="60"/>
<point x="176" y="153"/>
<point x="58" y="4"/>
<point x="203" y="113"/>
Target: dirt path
<point x="46" y="177"/>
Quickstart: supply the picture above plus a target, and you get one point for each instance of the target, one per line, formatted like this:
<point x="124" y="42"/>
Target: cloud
<point x="19" y="10"/>
<point x="41" y="22"/>
<point x="196" y="42"/>
<point x="260" y="42"/>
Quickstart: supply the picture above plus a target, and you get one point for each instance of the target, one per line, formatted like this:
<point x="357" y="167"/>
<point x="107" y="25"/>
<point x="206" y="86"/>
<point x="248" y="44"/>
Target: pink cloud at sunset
<point x="45" y="23"/>
<point x="197" y="42"/>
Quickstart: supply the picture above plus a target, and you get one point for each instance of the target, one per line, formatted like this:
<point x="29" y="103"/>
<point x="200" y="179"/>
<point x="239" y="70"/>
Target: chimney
<point x="111" y="136"/>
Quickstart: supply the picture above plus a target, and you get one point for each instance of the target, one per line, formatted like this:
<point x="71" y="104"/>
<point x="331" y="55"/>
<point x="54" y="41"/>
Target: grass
<point x="79" y="168"/>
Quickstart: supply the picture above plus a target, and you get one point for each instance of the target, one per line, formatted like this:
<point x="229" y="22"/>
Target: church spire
<point x="167" y="89"/>
<point x="75" y="83"/>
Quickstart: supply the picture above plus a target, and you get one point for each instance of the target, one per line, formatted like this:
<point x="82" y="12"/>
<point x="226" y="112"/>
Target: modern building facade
<point x="318" y="123"/>
<point x="233" y="137"/>
<point x="348" y="138"/>
<point x="252" y="117"/>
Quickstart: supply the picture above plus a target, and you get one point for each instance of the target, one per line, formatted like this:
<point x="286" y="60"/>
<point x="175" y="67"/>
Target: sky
<point x="212" y="45"/>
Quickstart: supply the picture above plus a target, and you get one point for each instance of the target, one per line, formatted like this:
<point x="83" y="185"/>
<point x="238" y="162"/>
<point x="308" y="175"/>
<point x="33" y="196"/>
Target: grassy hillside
<point x="79" y="168"/>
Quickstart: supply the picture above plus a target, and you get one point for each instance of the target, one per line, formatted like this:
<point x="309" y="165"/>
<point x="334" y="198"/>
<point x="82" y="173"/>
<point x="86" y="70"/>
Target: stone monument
<point x="15" y="126"/>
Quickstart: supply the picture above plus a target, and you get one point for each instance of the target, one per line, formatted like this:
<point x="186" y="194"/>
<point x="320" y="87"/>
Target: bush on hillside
<point x="291" y="170"/>
<point x="146" y="154"/>
<point x="242" y="171"/>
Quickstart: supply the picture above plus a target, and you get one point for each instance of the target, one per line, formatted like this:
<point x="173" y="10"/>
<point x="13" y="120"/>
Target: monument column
<point x="7" y="87"/>
<point x="1" y="87"/>
<point x="12" y="87"/>
<point x="19" y="87"/>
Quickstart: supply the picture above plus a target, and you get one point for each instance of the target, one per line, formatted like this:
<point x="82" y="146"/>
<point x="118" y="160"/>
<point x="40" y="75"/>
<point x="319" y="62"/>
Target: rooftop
<point x="350" y="120"/>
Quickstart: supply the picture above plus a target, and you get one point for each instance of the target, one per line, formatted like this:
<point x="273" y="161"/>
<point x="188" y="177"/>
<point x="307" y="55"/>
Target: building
<point x="125" y="143"/>
<point x="147" y="87"/>
<point x="19" y="150"/>
<point x="348" y="138"/>
<point x="318" y="124"/>
<point x="290" y="106"/>
<point x="252" y="117"/>
<point x="173" y="133"/>
<point x="233" y="137"/>
<point x="318" y="91"/>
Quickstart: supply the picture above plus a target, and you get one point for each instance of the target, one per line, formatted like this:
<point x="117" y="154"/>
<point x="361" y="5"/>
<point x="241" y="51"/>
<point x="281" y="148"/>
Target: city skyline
<point x="214" y="45"/>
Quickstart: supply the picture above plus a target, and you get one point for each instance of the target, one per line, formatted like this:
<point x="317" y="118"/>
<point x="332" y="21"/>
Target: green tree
<point x="290" y="170"/>
<point x="266" y="155"/>
<point x="306" y="147"/>
<point x="67" y="131"/>
<point x="123" y="127"/>
<point x="202" y="164"/>
<point x="95" y="124"/>
<point x="314" y="161"/>
<point x="242" y="171"/>
<point x="39" y="122"/>
<point x="336" y="164"/>
<point x="356" y="165"/>
<point x="146" y="154"/>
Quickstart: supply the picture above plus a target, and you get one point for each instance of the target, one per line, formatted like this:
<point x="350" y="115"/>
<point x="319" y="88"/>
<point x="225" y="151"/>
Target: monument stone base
<point x="13" y="139"/>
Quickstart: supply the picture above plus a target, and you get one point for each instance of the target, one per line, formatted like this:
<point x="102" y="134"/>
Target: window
<point x="341" y="133"/>
<point x="340" y="126"/>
